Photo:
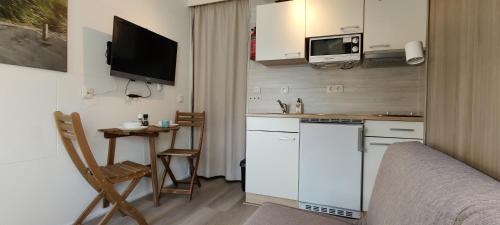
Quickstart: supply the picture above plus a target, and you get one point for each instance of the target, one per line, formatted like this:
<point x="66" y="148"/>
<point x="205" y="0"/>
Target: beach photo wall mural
<point x="33" y="33"/>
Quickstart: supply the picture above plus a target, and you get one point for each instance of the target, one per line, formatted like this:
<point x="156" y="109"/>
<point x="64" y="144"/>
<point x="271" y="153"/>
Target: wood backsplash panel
<point x="379" y="90"/>
<point x="463" y="111"/>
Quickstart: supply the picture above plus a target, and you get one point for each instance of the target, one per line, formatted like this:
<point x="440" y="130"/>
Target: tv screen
<point x="140" y="54"/>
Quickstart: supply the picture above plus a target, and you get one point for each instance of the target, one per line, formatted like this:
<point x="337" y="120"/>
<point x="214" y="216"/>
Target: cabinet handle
<point x="361" y="146"/>
<point x="381" y="46"/>
<point x="349" y="27"/>
<point x="379" y="144"/>
<point x="287" y="139"/>
<point x="402" y="129"/>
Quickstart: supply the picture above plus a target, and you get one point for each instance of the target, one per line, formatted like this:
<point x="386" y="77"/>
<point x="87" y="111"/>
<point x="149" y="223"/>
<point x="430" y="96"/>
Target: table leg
<point x="111" y="161"/>
<point x="154" y="171"/>
<point x="111" y="151"/>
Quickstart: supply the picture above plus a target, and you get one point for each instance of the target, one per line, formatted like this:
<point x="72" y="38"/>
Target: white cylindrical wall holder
<point x="414" y="53"/>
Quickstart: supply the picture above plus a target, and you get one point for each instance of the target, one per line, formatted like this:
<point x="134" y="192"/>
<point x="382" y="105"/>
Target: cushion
<point x="419" y="185"/>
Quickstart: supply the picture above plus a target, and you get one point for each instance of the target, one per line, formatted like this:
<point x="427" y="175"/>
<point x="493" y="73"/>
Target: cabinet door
<point x="273" y="164"/>
<point x="390" y="24"/>
<point x="334" y="17"/>
<point x="374" y="152"/>
<point x="281" y="31"/>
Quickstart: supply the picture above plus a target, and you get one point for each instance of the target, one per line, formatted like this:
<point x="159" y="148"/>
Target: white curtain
<point x="220" y="53"/>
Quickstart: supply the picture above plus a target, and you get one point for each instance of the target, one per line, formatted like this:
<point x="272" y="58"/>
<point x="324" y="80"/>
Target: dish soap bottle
<point x="299" y="107"/>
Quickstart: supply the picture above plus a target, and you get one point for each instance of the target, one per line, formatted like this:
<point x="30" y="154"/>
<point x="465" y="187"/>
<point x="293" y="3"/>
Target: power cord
<point x="136" y="95"/>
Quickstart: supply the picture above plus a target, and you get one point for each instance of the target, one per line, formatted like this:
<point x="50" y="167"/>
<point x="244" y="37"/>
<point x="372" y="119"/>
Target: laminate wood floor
<point x="217" y="202"/>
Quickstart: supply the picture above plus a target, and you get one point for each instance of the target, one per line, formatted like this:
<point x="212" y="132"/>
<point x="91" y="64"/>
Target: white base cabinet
<point x="378" y="136"/>
<point x="273" y="158"/>
<point x="374" y="152"/>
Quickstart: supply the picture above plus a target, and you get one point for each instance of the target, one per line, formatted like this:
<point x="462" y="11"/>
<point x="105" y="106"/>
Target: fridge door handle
<point x="361" y="146"/>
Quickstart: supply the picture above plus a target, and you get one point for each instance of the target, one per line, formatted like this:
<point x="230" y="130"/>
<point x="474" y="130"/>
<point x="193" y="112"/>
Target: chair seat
<point x="179" y="152"/>
<point x="124" y="171"/>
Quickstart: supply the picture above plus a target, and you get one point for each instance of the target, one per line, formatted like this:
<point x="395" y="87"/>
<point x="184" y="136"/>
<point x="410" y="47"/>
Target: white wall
<point x="39" y="184"/>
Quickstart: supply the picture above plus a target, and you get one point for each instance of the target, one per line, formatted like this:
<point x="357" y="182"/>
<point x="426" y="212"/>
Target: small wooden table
<point x="151" y="133"/>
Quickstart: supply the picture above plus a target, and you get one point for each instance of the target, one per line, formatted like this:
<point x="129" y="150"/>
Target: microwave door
<point x="325" y="47"/>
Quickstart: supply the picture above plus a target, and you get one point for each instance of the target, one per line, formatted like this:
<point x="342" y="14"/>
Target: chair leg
<point x="166" y="163"/>
<point x="108" y="215"/>
<point x="120" y="204"/>
<point x="191" y="167"/>
<point x="89" y="208"/>
<point x="133" y="213"/>
<point x="165" y="172"/>
<point x="163" y="177"/>
<point x="193" y="178"/>
<point x="127" y="208"/>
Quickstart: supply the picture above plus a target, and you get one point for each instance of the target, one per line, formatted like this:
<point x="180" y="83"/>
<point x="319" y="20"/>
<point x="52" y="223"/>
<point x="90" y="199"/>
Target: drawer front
<point x="394" y="129"/>
<point x="273" y="124"/>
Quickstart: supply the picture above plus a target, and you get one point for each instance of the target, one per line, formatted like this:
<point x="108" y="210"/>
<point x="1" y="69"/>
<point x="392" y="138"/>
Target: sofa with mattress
<point x="415" y="185"/>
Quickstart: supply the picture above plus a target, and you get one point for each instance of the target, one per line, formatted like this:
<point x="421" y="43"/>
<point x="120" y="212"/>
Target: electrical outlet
<point x="87" y="93"/>
<point x="255" y="98"/>
<point x="339" y="88"/>
<point x="285" y="90"/>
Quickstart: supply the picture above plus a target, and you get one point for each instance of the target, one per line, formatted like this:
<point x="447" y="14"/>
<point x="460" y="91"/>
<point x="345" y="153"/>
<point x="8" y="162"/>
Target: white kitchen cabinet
<point x="281" y="33"/>
<point x="390" y="24"/>
<point x="378" y="136"/>
<point x="334" y="17"/>
<point x="272" y="164"/>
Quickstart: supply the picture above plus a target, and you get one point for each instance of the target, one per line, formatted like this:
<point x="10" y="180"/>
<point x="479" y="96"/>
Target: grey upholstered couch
<point x="416" y="185"/>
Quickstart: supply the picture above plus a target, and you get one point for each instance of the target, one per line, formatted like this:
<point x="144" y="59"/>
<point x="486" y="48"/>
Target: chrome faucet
<point x="284" y="107"/>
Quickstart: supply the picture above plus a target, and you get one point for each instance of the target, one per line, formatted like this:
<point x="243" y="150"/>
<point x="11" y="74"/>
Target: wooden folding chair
<point x="101" y="178"/>
<point x="191" y="120"/>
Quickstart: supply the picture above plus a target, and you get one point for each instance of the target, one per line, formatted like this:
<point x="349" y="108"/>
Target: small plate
<point x="133" y="129"/>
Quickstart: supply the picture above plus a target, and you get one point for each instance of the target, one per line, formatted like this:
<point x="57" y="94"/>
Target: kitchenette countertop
<point x="340" y="116"/>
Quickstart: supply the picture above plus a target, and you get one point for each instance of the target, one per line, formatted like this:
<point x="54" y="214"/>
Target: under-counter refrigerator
<point x="330" y="173"/>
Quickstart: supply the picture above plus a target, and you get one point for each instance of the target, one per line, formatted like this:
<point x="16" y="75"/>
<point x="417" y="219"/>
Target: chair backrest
<point x="194" y="120"/>
<point x="70" y="130"/>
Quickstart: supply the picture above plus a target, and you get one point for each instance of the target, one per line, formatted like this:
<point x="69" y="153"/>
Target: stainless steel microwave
<point x="335" y="49"/>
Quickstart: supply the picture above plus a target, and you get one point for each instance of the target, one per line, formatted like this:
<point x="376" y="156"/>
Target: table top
<point x="151" y="131"/>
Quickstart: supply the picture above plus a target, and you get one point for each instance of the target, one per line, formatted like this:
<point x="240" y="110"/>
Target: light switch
<point x="285" y="90"/>
<point x="180" y="99"/>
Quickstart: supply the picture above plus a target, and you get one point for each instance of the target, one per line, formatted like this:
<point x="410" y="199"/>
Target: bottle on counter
<point x="299" y="106"/>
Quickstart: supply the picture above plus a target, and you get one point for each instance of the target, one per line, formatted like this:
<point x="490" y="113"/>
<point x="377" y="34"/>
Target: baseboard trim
<point x="255" y="199"/>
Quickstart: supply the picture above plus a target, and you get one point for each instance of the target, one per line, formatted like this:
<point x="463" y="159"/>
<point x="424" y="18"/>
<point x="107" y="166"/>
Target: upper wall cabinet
<point x="390" y="24"/>
<point x="334" y="17"/>
<point x="281" y="33"/>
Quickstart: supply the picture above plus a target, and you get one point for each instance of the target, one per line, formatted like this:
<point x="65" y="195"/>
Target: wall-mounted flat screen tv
<point x="139" y="54"/>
